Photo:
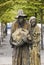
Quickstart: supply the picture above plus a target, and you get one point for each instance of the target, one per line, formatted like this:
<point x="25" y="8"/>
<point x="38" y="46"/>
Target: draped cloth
<point x="21" y="56"/>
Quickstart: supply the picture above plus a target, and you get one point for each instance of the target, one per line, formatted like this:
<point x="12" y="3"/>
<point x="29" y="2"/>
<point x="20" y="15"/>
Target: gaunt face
<point x="33" y="22"/>
<point x="20" y="19"/>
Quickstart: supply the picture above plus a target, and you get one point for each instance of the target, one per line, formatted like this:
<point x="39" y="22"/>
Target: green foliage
<point x="9" y="8"/>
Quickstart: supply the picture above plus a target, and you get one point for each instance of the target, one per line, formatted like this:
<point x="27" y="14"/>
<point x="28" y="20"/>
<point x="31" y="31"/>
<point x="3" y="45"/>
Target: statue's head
<point x="21" y="16"/>
<point x="33" y="21"/>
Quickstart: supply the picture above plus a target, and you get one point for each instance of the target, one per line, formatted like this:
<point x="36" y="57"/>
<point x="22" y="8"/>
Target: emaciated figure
<point x="35" y="36"/>
<point x="20" y="55"/>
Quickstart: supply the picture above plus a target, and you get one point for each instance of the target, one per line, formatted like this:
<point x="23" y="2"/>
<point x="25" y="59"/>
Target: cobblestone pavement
<point x="6" y="52"/>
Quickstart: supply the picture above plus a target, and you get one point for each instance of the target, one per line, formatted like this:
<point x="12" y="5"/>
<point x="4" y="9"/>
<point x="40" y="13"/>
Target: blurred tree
<point x="9" y="8"/>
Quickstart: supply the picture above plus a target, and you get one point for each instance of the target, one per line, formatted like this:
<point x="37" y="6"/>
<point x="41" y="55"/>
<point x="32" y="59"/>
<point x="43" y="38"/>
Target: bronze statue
<point x="20" y="40"/>
<point x="35" y="36"/>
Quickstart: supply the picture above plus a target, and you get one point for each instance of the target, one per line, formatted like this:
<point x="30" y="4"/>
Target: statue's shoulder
<point x="14" y="26"/>
<point x="37" y="29"/>
<point x="15" y="23"/>
<point x="26" y="25"/>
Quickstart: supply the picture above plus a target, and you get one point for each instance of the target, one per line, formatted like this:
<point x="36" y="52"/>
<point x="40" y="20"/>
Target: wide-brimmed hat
<point x="21" y="14"/>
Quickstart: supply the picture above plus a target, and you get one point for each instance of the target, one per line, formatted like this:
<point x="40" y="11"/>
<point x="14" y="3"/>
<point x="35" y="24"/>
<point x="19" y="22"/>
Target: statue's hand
<point x="29" y="37"/>
<point x="17" y="43"/>
<point x="24" y="39"/>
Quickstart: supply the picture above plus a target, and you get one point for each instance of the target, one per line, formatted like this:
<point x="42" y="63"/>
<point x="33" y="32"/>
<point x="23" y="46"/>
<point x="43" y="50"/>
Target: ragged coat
<point x="20" y="55"/>
<point x="35" y="50"/>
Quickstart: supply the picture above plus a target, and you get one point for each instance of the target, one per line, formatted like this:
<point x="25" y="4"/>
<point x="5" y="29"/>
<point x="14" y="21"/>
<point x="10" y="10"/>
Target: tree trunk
<point x="1" y="31"/>
<point x="41" y="29"/>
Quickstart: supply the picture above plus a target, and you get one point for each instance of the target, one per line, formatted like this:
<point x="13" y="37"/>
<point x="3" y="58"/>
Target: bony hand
<point x="14" y="43"/>
<point x="28" y="37"/>
<point x="24" y="39"/>
<point x="18" y="43"/>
